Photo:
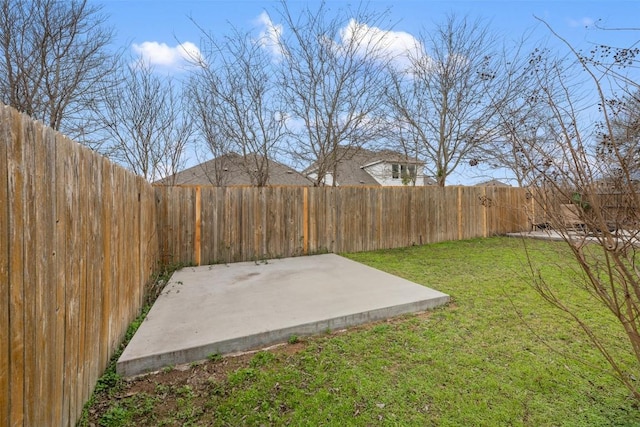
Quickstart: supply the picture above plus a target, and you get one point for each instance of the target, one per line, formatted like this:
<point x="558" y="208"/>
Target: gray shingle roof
<point x="492" y="183"/>
<point x="229" y="170"/>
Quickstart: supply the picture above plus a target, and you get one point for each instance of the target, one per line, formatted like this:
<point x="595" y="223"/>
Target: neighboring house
<point x="373" y="168"/>
<point x="234" y="170"/>
<point x="492" y="183"/>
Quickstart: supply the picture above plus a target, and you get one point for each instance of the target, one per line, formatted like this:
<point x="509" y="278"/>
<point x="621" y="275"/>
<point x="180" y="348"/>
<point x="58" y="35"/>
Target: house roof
<point x="353" y="161"/>
<point x="492" y="183"/>
<point x="429" y="181"/>
<point x="228" y="170"/>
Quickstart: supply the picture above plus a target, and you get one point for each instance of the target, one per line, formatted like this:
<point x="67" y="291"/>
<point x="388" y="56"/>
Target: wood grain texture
<point x="15" y="204"/>
<point x="76" y="251"/>
<point x="5" y="288"/>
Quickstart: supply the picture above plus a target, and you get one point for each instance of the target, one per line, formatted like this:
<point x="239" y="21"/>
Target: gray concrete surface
<point x="238" y="307"/>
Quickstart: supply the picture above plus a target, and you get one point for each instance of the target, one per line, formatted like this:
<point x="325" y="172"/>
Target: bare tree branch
<point x="444" y="103"/>
<point x="143" y="117"/>
<point x="594" y="210"/>
<point x="332" y="76"/>
<point x="236" y="104"/>
<point x="53" y="54"/>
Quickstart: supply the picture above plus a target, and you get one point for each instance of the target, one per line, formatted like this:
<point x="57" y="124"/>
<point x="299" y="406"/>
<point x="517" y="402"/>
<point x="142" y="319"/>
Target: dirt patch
<point x="169" y="391"/>
<point x="194" y="381"/>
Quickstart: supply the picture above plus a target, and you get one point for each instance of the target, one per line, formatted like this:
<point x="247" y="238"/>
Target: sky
<point x="161" y="30"/>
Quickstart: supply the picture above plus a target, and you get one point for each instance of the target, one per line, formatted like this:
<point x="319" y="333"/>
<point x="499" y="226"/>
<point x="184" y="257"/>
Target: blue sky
<point x="155" y="27"/>
<point x="160" y="30"/>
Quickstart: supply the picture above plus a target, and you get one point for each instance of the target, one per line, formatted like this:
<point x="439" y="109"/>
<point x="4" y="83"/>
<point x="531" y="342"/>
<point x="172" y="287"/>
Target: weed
<point x="110" y="381"/>
<point x="185" y="391"/>
<point x="162" y="389"/>
<point x="241" y="375"/>
<point x="262" y="358"/>
<point x="214" y="357"/>
<point x="116" y="416"/>
<point x="293" y="339"/>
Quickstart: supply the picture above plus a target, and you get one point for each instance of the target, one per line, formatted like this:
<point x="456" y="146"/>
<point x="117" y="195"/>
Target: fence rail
<point x="204" y="225"/>
<point x="77" y="245"/>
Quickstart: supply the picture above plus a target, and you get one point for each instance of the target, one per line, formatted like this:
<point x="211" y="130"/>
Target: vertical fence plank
<point x="62" y="235"/>
<point x="107" y="276"/>
<point x="53" y="359"/>
<point x="206" y="218"/>
<point x="96" y="276"/>
<point x="16" y="265"/>
<point x="5" y="285"/>
<point x="73" y="370"/>
<point x="305" y="219"/>
<point x="84" y="288"/>
<point x="43" y="261"/>
<point x="29" y="236"/>
<point x="197" y="241"/>
<point x="261" y="215"/>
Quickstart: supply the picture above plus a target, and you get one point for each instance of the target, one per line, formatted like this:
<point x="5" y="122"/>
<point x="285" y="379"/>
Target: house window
<point x="403" y="171"/>
<point x="410" y="172"/>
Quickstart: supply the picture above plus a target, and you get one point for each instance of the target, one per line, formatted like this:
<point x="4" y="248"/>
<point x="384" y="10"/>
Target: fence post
<point x="198" y="231"/>
<point x="460" y="213"/>
<point x="305" y="220"/>
<point x="5" y="289"/>
<point x="484" y="211"/>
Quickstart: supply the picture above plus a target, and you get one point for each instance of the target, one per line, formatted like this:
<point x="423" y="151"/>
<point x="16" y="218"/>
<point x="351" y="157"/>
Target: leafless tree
<point x="52" y="55"/>
<point x="445" y="100"/>
<point x="332" y="77"/>
<point x="598" y="216"/>
<point x="235" y="102"/>
<point x="144" y="120"/>
<point x="526" y="141"/>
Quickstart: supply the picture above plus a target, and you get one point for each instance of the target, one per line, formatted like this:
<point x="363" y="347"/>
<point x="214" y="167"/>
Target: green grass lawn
<point x="497" y="355"/>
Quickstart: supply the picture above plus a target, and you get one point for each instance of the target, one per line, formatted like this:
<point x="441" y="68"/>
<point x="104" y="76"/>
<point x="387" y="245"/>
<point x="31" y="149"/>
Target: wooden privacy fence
<point x="80" y="238"/>
<point x="618" y="208"/>
<point x="205" y="225"/>
<point x="77" y="245"/>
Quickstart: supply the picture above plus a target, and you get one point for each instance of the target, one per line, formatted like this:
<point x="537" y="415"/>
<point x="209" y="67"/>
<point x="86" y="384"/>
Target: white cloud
<point x="270" y="34"/>
<point x="581" y="22"/>
<point x="165" y="56"/>
<point x="399" y="46"/>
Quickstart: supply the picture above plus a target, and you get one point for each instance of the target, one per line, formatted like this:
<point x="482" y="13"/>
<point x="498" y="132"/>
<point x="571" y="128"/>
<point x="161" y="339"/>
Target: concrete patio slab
<point x="222" y="309"/>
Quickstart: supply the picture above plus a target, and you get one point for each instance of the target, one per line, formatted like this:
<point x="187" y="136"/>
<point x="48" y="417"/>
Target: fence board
<point x="4" y="272"/>
<point x="42" y="258"/>
<point x="30" y="275"/>
<point x="106" y="251"/>
<point x="16" y="267"/>
<point x="62" y="235"/>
